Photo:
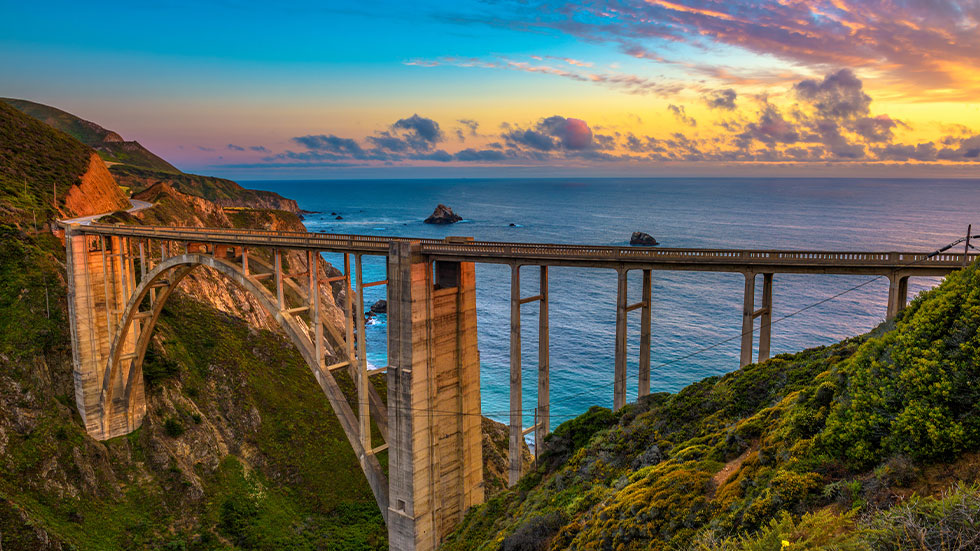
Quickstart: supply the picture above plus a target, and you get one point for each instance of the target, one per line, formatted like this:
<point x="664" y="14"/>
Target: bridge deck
<point x="548" y="254"/>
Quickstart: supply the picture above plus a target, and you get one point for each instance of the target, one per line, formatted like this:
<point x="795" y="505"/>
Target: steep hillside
<point x="821" y="449"/>
<point x="44" y="174"/>
<point x="109" y="144"/>
<point x="136" y="168"/>
<point x="217" y="190"/>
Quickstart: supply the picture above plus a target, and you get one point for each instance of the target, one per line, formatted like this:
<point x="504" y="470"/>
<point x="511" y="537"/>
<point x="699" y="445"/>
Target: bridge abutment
<point x="435" y="465"/>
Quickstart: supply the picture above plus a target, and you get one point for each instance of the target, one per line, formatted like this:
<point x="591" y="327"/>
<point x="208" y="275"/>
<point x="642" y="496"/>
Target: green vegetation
<point x="35" y="161"/>
<point x="239" y="449"/>
<point x="217" y="190"/>
<point x="814" y="448"/>
<point x="110" y="145"/>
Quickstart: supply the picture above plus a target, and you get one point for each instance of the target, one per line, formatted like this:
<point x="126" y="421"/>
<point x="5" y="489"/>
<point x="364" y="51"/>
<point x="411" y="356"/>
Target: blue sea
<point x="692" y="311"/>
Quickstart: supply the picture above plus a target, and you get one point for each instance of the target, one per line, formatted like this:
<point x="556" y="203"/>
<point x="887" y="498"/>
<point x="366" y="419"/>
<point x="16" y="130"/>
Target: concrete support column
<point x="516" y="413"/>
<point x="765" y="327"/>
<point x="363" y="402"/>
<point x="435" y="454"/>
<point x="619" y="382"/>
<point x="142" y="260"/>
<point x="277" y="268"/>
<point x="349" y="312"/>
<point x="543" y="425"/>
<point x="645" y="330"/>
<point x="315" y="318"/>
<point x="898" y="294"/>
<point x="748" y="320"/>
<point x="245" y="261"/>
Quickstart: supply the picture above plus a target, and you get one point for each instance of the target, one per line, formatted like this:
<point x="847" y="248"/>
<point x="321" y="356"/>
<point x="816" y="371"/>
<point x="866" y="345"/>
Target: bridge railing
<point x="373" y="244"/>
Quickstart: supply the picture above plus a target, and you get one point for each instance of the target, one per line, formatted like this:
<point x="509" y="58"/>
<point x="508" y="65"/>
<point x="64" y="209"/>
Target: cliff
<point x="95" y="192"/>
<point x="869" y="444"/>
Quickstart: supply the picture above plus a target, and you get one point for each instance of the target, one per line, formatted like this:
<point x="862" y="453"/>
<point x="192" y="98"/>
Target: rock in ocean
<point x="641" y="238"/>
<point x="443" y="215"/>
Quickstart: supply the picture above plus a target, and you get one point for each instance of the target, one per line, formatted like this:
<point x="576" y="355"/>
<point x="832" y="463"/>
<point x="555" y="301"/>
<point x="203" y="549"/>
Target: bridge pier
<point x="435" y="462"/>
<point x="749" y="314"/>
<point x="99" y="273"/>
<point x="898" y="294"/>
<point x="542" y="413"/>
<point x="622" y="309"/>
<point x="542" y="425"/>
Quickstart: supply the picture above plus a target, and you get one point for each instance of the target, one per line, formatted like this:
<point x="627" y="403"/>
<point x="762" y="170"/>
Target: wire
<point x="702" y="350"/>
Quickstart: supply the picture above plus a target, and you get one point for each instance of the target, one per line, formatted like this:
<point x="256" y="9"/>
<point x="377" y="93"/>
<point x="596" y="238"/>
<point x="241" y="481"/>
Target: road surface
<point x="86" y="220"/>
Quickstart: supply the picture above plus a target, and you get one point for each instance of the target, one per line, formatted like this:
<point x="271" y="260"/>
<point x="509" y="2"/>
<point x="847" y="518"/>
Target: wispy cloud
<point x="930" y="50"/>
<point x="576" y="70"/>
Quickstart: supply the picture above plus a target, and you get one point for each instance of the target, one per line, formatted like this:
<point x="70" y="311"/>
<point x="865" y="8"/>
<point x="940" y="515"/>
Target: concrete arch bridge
<point x="120" y="277"/>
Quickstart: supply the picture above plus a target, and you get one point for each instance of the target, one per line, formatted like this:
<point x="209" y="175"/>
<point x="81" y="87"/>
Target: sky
<point x="515" y="88"/>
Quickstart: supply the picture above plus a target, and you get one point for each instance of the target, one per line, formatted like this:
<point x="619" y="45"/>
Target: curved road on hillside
<point x="86" y="220"/>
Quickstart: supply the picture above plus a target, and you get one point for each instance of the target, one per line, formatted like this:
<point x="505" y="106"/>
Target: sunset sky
<point x="411" y="89"/>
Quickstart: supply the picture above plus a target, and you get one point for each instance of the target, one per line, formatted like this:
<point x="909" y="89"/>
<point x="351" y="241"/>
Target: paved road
<point x="86" y="220"/>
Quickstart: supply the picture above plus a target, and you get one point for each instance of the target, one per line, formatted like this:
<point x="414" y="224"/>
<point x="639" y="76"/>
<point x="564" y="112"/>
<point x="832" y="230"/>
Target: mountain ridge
<point x="137" y="168"/>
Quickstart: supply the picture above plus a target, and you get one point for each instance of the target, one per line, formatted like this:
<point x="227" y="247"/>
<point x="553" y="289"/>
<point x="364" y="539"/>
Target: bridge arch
<point x="166" y="276"/>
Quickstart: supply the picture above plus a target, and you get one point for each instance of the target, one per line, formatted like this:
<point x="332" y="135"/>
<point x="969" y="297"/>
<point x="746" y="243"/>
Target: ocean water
<point x="692" y="311"/>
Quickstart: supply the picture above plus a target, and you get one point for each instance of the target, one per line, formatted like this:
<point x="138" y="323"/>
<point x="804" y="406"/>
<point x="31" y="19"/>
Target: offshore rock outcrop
<point x="643" y="239"/>
<point x="443" y="215"/>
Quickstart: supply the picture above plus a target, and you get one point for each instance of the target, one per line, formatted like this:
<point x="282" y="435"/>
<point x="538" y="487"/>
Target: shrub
<point x="950" y="523"/>
<point x="822" y="530"/>
<point x="535" y="534"/>
<point x="173" y="427"/>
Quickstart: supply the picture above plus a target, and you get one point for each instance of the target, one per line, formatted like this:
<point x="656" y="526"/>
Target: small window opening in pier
<point x="446" y="275"/>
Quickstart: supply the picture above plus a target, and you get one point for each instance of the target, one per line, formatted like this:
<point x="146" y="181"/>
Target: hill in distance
<point x="138" y="169"/>
<point x="110" y="145"/>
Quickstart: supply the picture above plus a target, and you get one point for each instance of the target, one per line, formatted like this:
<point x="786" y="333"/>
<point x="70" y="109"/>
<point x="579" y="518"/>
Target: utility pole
<point x="966" y="247"/>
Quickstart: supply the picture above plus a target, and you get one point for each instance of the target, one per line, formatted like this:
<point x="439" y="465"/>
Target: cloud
<point x="681" y="114"/>
<point x="421" y="132"/>
<point x="826" y="120"/>
<point x="387" y="141"/>
<point x="332" y="144"/>
<point x="875" y="129"/>
<point x="627" y="83"/>
<point x="839" y="95"/>
<point x="258" y="148"/>
<point x="471" y="124"/>
<point x="478" y="155"/>
<point x="770" y="128"/>
<point x="961" y="149"/>
<point x="918" y="46"/>
<point x="721" y="99"/>
<point x="234" y="147"/>
<point x="552" y="133"/>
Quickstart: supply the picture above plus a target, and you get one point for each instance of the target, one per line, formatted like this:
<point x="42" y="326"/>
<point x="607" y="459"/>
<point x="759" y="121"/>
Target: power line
<point x="702" y="350"/>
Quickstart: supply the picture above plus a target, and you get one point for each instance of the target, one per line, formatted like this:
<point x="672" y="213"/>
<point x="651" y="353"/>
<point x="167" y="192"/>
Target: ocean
<point x="692" y="311"/>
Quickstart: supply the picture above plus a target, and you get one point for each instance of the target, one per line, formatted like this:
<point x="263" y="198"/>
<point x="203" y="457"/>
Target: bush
<point x="173" y="427"/>
<point x="950" y="523"/>
<point x="535" y="534"/>
<point x="822" y="530"/>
